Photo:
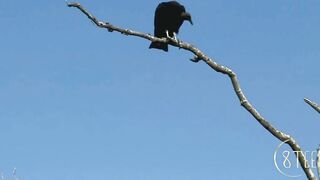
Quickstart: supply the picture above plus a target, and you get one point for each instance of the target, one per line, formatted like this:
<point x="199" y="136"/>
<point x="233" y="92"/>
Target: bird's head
<point x="187" y="17"/>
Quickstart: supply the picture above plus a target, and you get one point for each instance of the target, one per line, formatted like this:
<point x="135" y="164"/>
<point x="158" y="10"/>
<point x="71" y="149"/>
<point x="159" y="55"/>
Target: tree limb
<point x="314" y="105"/>
<point x="200" y="56"/>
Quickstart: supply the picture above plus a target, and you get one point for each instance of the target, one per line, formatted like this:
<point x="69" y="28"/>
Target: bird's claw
<point x="167" y="33"/>
<point x="174" y="38"/>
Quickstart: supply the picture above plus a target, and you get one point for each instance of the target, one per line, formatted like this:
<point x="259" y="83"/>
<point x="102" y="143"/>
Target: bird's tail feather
<point x="159" y="45"/>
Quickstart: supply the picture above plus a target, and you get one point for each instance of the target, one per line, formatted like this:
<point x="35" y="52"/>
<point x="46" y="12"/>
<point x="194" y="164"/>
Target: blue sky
<point x="79" y="103"/>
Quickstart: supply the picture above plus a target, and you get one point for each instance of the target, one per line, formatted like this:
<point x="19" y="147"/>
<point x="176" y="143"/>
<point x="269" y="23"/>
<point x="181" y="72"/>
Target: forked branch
<point x="200" y="56"/>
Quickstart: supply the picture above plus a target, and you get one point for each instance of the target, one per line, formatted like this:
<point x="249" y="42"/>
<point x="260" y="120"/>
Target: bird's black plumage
<point x="168" y="17"/>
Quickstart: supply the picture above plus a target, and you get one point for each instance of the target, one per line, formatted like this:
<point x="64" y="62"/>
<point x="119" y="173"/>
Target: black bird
<point x="168" y="18"/>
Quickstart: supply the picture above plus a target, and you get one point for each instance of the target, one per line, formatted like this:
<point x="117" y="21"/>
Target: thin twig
<point x="314" y="105"/>
<point x="14" y="174"/>
<point x="318" y="161"/>
<point x="199" y="55"/>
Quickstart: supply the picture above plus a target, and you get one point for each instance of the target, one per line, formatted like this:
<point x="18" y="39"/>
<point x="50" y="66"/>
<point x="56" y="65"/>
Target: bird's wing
<point x="161" y="19"/>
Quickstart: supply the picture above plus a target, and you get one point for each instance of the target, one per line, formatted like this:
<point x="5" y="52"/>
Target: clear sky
<point x="80" y="103"/>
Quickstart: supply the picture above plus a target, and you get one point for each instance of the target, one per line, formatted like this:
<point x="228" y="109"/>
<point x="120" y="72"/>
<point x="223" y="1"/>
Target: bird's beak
<point x="191" y="21"/>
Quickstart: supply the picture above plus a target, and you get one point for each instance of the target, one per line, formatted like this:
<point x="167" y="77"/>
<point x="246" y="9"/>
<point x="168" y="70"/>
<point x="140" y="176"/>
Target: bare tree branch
<point x="314" y="105"/>
<point x="200" y="56"/>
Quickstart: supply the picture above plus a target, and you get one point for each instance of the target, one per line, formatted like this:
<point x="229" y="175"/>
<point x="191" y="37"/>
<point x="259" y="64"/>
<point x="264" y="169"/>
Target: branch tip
<point x="195" y="59"/>
<point x="74" y="4"/>
<point x="314" y="105"/>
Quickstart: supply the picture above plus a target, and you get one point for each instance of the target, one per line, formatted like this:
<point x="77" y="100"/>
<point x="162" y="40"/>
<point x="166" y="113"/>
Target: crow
<point x="168" y="18"/>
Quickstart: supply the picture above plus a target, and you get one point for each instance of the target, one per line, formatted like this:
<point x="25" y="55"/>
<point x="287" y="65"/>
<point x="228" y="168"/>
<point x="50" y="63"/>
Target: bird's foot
<point x="167" y="33"/>
<point x="169" y="37"/>
<point x="176" y="39"/>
